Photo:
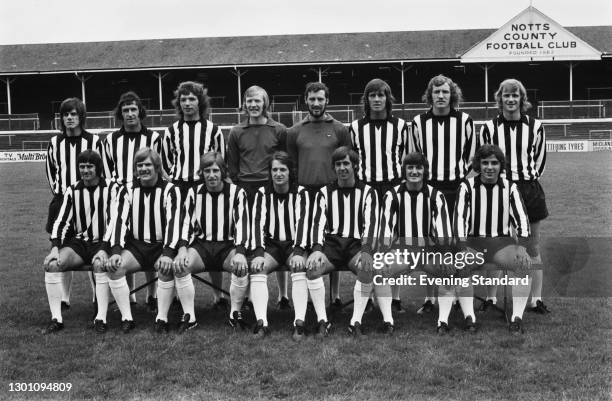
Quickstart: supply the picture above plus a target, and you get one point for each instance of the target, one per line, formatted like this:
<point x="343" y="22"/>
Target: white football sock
<point x="466" y="300"/>
<point x="445" y="303"/>
<point x="239" y="286"/>
<point x="165" y="294"/>
<point x="121" y="292"/>
<point x="102" y="295"/>
<point x="383" y="296"/>
<point x="260" y="296"/>
<point x="361" y="294"/>
<point x="67" y="286"/>
<point x="520" y="293"/>
<point x="317" y="294"/>
<point x="53" y="284"/>
<point x="186" y="293"/>
<point x="299" y="294"/>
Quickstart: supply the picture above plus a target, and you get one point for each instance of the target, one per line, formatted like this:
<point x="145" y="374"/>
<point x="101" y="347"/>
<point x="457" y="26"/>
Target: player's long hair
<point x="67" y="106"/>
<point x="210" y="158"/>
<point x="185" y="88"/>
<point x="93" y="157"/>
<point x="286" y="160"/>
<point x="142" y="155"/>
<point x="376" y="85"/>
<point x="485" y="151"/>
<point x="129" y="98"/>
<point x="341" y="153"/>
<point x="438" y="80"/>
<point x="253" y="91"/>
<point x="512" y="84"/>
<point x="416" y="159"/>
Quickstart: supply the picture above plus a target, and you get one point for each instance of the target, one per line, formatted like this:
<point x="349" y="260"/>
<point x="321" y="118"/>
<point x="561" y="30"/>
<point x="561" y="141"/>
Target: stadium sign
<point x="567" y="146"/>
<point x="531" y="36"/>
<point x="29" y="156"/>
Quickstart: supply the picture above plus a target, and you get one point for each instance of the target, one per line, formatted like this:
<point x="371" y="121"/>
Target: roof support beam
<point x="402" y="69"/>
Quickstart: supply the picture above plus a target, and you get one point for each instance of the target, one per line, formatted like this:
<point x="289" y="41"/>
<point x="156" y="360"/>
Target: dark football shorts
<point x="534" y="200"/>
<point x="279" y="250"/>
<point x="489" y="246"/>
<point x="213" y="253"/>
<point x="86" y="250"/>
<point x="340" y="251"/>
<point x="145" y="254"/>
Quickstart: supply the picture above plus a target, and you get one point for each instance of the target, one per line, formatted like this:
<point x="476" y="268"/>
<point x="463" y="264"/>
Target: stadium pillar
<point x="320" y="74"/>
<point x="486" y="78"/>
<point x="8" y="81"/>
<point x="160" y="77"/>
<point x="83" y="79"/>
<point x="238" y="75"/>
<point x="402" y="71"/>
<point x="571" y="81"/>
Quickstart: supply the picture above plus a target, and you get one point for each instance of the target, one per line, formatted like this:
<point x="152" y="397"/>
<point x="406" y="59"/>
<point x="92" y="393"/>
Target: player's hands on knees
<point x="297" y="263"/>
<point x="163" y="265"/>
<point x="257" y="264"/>
<point x="99" y="260"/>
<point x="315" y="260"/>
<point x="239" y="265"/>
<point x="365" y="262"/>
<point x="113" y="263"/>
<point x="53" y="255"/>
<point x="180" y="262"/>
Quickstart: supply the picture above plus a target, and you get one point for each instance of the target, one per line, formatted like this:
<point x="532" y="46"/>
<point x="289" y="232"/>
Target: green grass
<point x="563" y="356"/>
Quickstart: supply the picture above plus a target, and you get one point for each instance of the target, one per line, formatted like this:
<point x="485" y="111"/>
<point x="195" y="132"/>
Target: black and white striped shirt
<point x="489" y="210"/>
<point x="448" y="142"/>
<point x="274" y="216"/>
<point x="86" y="210"/>
<point x="120" y="148"/>
<point x="415" y="217"/>
<point x="62" y="152"/>
<point x="346" y="212"/>
<point x="381" y="145"/>
<point x="217" y="216"/>
<point x="523" y="142"/>
<point x="183" y="144"/>
<point x="148" y="214"/>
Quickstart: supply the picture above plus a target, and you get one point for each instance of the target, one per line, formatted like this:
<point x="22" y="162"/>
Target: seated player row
<point x="143" y="227"/>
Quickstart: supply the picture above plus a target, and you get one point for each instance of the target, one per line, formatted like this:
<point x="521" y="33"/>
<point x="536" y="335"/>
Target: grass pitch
<point x="566" y="355"/>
